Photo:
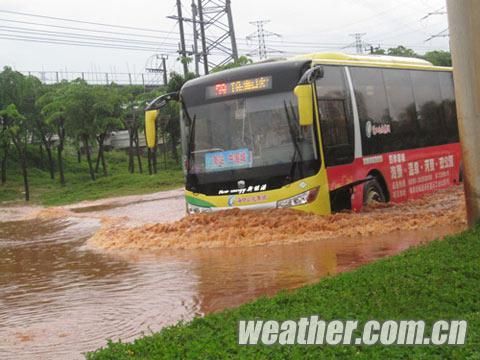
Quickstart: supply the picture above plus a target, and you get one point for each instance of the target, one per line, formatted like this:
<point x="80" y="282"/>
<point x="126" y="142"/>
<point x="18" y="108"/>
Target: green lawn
<point x="79" y="187"/>
<point x="438" y="281"/>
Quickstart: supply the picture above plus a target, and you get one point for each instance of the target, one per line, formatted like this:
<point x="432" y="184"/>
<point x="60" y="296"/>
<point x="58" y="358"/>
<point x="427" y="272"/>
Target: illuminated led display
<point x="239" y="87"/>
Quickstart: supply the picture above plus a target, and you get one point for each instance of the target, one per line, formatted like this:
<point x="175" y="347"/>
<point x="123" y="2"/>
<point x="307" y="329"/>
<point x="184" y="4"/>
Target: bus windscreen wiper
<point x="292" y="121"/>
<point x="190" y="145"/>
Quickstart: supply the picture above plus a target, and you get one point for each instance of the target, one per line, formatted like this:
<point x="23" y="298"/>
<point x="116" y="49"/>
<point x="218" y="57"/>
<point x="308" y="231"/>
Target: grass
<point x="438" y="281"/>
<point x="79" y="187"/>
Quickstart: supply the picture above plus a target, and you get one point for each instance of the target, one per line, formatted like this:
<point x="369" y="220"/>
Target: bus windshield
<point x="248" y="133"/>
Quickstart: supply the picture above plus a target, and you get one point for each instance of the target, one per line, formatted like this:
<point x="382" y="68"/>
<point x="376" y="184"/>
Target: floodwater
<point x="64" y="293"/>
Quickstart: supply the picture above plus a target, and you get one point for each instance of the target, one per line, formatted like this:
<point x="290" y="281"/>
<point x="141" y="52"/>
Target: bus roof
<point x="370" y="60"/>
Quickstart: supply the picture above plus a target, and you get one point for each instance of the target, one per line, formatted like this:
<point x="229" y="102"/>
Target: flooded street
<point x="64" y="293"/>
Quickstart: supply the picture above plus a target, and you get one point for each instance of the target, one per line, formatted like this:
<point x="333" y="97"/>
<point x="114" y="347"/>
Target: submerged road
<point x="60" y="297"/>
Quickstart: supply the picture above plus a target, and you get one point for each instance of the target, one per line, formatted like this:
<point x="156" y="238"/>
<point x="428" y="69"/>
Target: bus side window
<point x="373" y="108"/>
<point x="405" y="124"/>
<point x="449" y="106"/>
<point x="336" y="119"/>
<point x="430" y="113"/>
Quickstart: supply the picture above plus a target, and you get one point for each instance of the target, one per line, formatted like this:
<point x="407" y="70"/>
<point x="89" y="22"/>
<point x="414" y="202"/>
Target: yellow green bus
<point x="319" y="133"/>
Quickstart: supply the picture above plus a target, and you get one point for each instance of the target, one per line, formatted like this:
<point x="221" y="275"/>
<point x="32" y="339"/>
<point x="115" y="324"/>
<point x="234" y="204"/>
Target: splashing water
<point x="236" y="228"/>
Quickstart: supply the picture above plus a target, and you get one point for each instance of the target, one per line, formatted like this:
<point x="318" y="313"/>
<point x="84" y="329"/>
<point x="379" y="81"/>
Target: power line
<point x="85" y="29"/>
<point x="284" y="43"/>
<point x="88" y="37"/>
<point x="83" y="22"/>
<point x="440" y="11"/>
<point x="37" y="39"/>
<point x="22" y="30"/>
<point x="441" y="34"/>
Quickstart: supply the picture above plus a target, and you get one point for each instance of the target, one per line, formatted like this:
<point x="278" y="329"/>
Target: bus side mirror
<point x="151" y="114"/>
<point x="151" y="127"/>
<point x="304" y="94"/>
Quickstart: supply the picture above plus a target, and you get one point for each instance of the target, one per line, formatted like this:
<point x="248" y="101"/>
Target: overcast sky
<point x="305" y="26"/>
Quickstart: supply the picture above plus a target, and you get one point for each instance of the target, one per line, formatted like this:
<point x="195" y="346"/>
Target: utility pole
<point x="204" y="39"/>
<point x="464" y="21"/>
<point x="154" y="66"/>
<point x="183" y="49"/>
<point x="261" y="35"/>
<point x="164" y="66"/>
<point x="195" y="38"/>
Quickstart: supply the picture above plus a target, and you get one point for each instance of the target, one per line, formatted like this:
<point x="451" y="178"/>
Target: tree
<point x="80" y="117"/>
<point x="172" y="127"/>
<point x="4" y="147"/>
<point x="134" y="121"/>
<point x="402" y="51"/>
<point x="396" y="51"/>
<point x="18" y="129"/>
<point x="107" y="111"/>
<point x="439" y="57"/>
<point x="377" y="51"/>
<point x="241" y="61"/>
<point x="52" y="108"/>
<point x="10" y="93"/>
<point x="32" y="91"/>
<point x="436" y="57"/>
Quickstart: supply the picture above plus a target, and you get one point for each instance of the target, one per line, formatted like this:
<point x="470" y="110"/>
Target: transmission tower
<point x="212" y="22"/>
<point x="217" y="33"/>
<point x="261" y="36"/>
<point x="358" y="44"/>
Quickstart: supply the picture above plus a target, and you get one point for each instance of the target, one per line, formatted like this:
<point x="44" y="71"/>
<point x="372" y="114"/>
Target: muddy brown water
<point x="60" y="297"/>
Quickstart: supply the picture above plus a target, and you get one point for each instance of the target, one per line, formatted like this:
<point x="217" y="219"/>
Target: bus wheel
<point x="373" y="192"/>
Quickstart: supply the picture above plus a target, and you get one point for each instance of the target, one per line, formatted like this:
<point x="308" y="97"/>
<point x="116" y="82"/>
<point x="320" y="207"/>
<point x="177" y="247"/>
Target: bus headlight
<point x="192" y="209"/>
<point x="302" y="199"/>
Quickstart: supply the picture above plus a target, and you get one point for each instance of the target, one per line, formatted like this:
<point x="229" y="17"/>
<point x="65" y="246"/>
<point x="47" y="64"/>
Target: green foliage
<point x="438" y="281"/>
<point x="185" y="59"/>
<point x="20" y="90"/>
<point x="378" y="51"/>
<point x="17" y="124"/>
<point x="170" y="116"/>
<point x="79" y="188"/>
<point x="176" y="81"/>
<point x="4" y="137"/>
<point x="107" y="109"/>
<point x="11" y="87"/>
<point x="242" y="61"/>
<point x="77" y="113"/>
<point x="439" y="57"/>
<point x="401" y="51"/>
<point x="52" y="105"/>
<point x="79" y="110"/>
